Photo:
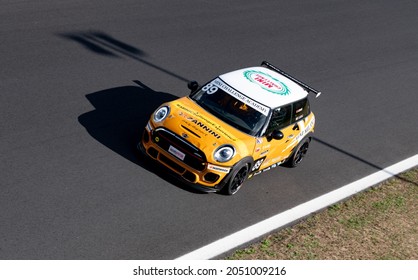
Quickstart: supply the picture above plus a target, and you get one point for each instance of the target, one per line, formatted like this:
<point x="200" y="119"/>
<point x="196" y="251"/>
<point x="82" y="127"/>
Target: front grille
<point x="171" y="163"/>
<point x="193" y="157"/>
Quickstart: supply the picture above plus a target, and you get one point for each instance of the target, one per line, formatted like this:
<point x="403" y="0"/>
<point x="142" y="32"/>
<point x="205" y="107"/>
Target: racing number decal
<point x="258" y="163"/>
<point x="210" y="88"/>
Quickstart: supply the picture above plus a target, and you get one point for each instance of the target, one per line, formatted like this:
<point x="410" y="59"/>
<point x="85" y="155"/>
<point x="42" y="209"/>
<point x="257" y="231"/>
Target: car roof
<point x="264" y="86"/>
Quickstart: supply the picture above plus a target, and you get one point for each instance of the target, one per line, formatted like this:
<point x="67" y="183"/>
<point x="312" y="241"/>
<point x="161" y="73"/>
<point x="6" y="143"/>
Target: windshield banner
<point x="253" y="104"/>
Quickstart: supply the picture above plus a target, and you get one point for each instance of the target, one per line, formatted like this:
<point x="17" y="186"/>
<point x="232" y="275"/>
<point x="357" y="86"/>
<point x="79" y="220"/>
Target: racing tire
<point x="299" y="153"/>
<point x="237" y="180"/>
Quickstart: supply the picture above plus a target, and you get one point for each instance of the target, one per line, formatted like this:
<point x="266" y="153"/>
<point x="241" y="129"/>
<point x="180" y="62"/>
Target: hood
<point x="204" y="130"/>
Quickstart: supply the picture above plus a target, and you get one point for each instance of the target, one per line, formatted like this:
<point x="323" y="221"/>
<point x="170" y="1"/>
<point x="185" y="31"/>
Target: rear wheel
<point x="299" y="154"/>
<point x="237" y="180"/>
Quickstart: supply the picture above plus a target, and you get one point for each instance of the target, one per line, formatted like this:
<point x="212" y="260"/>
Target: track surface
<point x="78" y="80"/>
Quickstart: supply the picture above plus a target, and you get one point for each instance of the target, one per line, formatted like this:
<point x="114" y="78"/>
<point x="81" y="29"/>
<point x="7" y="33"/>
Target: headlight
<point x="161" y="113"/>
<point x="224" y="153"/>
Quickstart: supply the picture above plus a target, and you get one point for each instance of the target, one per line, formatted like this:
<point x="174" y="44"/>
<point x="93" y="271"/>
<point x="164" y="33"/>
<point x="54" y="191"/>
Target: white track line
<point x="264" y="227"/>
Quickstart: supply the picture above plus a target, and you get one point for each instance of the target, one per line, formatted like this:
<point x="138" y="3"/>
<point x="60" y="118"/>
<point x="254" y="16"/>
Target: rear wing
<point x="302" y="84"/>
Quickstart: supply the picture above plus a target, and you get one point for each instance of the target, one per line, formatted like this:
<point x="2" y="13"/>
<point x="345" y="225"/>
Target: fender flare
<point x="246" y="160"/>
<point x="308" y="137"/>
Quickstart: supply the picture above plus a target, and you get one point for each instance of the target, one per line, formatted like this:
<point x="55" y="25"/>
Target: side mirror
<point x="193" y="85"/>
<point x="277" y="135"/>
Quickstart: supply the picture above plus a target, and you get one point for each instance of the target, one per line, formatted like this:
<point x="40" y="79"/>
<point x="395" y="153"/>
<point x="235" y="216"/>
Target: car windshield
<point x="232" y="107"/>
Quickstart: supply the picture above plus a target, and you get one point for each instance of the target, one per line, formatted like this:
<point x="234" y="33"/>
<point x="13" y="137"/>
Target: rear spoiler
<point x="302" y="84"/>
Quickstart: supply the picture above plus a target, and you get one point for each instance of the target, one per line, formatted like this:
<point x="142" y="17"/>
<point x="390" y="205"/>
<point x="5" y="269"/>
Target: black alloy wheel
<point x="237" y="180"/>
<point x="300" y="152"/>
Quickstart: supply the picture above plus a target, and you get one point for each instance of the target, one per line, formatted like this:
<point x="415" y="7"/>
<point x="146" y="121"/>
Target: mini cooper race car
<point x="236" y="126"/>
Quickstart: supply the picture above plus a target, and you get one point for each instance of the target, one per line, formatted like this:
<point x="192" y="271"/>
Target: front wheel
<point x="237" y="179"/>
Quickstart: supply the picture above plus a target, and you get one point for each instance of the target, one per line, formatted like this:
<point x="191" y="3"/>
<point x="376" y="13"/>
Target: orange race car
<point x="236" y="126"/>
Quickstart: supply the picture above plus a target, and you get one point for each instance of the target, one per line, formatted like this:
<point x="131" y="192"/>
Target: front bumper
<point x="204" y="180"/>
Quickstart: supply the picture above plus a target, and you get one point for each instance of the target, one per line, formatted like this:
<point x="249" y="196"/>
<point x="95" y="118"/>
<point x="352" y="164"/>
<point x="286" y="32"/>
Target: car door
<point x="270" y="151"/>
<point x="287" y="127"/>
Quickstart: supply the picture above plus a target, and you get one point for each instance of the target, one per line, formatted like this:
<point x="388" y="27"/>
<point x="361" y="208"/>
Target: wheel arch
<point x="248" y="160"/>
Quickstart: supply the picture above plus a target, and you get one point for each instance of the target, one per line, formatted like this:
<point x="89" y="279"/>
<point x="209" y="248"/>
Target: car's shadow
<point x="119" y="118"/>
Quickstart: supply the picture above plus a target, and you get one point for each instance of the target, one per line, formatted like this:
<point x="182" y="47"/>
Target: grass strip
<point x="379" y="223"/>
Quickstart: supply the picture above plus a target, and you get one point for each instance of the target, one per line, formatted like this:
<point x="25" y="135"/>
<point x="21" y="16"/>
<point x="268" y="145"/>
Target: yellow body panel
<point x="272" y="153"/>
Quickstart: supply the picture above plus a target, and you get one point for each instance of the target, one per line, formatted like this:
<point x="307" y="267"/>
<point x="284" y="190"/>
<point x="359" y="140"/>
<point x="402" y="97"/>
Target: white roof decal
<point x="264" y="86"/>
<point x="266" y="82"/>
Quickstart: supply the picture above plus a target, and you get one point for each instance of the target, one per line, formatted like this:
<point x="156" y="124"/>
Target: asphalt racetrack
<point x="79" y="79"/>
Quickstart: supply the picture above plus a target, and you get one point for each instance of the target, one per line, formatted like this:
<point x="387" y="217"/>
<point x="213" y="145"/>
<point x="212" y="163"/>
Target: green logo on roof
<point x="267" y="82"/>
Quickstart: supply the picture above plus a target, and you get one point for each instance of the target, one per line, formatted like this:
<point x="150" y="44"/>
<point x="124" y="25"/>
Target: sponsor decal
<point x="218" y="168"/>
<point x="241" y="97"/>
<point x="306" y="130"/>
<point x="205" y="126"/>
<point x="267" y="82"/>
<point x="176" y="152"/>
<point x="265" y="152"/>
<point x="265" y="169"/>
